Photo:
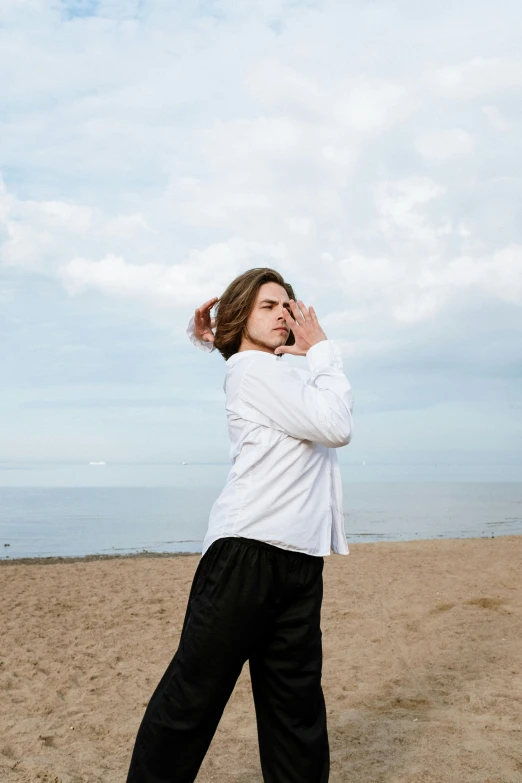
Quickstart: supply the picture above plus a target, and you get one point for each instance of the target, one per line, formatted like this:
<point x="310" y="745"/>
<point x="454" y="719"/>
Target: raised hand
<point x="203" y="323"/>
<point x="306" y="328"/>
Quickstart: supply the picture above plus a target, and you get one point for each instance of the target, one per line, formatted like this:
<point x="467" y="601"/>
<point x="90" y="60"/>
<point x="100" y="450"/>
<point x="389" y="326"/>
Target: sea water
<point x="119" y="516"/>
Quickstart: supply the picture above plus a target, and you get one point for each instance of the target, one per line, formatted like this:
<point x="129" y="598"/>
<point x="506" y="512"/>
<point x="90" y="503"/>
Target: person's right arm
<point x="318" y="410"/>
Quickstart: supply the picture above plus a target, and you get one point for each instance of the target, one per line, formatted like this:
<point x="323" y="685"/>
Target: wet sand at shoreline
<point x="422" y="665"/>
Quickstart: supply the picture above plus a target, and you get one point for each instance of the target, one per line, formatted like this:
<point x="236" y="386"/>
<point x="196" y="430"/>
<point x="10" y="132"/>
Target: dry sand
<point x="422" y="665"/>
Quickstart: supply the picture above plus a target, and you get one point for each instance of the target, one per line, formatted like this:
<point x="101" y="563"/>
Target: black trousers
<point x="249" y="601"/>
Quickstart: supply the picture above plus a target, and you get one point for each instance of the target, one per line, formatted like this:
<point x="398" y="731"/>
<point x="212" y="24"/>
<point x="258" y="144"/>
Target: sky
<point x="151" y="151"/>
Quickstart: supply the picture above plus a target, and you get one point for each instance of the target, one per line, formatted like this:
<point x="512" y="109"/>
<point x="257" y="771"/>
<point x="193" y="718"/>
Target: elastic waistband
<point x="254" y="542"/>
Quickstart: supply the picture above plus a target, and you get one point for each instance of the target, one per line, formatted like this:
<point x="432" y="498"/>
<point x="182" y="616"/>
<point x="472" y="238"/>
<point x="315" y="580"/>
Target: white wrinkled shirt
<point x="284" y="424"/>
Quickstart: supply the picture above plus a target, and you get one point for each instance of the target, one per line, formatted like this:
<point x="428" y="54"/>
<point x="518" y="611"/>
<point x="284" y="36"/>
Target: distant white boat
<point x="364" y="463"/>
<point x="183" y="463"/>
<point x="97" y="463"/>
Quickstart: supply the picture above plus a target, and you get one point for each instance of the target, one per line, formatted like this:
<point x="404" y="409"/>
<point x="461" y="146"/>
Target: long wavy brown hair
<point x="236" y="304"/>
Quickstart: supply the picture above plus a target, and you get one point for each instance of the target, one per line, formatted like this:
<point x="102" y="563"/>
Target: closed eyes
<point x="269" y="307"/>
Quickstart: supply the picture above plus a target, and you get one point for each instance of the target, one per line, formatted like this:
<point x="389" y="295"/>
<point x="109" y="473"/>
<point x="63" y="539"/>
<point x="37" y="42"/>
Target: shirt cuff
<point x="203" y="345"/>
<point x="324" y="354"/>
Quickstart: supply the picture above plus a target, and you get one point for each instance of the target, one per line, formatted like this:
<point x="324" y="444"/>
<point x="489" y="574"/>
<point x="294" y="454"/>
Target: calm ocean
<point x="106" y="509"/>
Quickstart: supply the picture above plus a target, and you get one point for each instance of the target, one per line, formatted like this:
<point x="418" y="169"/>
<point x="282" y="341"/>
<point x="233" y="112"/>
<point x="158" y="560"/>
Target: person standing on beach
<point x="257" y="591"/>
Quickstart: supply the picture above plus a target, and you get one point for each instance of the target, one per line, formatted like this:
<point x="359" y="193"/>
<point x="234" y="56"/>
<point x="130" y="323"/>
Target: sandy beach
<point x="422" y="665"/>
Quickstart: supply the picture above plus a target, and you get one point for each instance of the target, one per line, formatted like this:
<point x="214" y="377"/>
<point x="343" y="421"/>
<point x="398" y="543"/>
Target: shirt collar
<point x="237" y="356"/>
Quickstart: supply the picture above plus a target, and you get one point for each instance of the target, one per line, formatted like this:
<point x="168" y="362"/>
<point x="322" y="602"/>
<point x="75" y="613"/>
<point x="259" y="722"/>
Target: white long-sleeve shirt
<point x="284" y="423"/>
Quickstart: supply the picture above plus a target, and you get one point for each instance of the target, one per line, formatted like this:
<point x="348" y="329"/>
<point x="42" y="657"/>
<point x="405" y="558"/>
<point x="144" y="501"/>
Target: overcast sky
<point x="151" y="150"/>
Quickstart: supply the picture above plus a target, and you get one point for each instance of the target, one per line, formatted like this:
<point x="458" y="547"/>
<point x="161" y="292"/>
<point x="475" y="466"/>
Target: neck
<point x="248" y="345"/>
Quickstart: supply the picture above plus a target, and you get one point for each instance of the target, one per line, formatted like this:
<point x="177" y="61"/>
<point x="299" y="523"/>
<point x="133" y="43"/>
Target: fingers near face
<point x="303" y="308"/>
<point x="295" y="312"/>
<point x="289" y="317"/>
<point x="299" y="310"/>
<point x="203" y="310"/>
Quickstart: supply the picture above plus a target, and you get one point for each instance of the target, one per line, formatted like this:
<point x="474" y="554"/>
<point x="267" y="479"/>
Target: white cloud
<point x="183" y="284"/>
<point x="476" y="77"/>
<point x="496" y="118"/>
<point x="71" y="216"/>
<point x="270" y="138"/>
<point x="498" y="275"/>
<point x="400" y="212"/>
<point x="20" y="5"/>
<point x="126" y="226"/>
<point x="414" y="292"/>
<point x="419" y="307"/>
<point x="277" y="86"/>
<point x="300" y="225"/>
<point x="367" y="105"/>
<point x="445" y="144"/>
<point x="372" y="276"/>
